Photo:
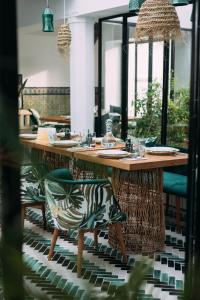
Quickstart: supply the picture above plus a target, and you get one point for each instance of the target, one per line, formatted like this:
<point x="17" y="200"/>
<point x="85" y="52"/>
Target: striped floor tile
<point x="103" y="271"/>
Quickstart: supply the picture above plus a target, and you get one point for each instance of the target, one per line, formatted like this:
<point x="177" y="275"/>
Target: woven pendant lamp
<point x="157" y="21"/>
<point x="64" y="38"/>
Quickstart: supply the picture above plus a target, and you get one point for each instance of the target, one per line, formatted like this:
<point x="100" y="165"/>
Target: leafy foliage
<point x="178" y="117"/>
<point x="149" y="109"/>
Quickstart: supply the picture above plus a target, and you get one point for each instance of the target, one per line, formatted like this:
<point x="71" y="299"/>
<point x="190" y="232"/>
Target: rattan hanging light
<point x="157" y="21"/>
<point x="64" y="37"/>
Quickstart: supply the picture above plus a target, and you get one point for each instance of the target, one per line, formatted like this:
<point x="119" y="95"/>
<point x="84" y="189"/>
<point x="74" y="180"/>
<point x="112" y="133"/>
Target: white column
<point x="82" y="81"/>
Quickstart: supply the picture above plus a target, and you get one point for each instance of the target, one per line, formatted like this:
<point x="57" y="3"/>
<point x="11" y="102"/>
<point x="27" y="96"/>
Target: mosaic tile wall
<point x="47" y="101"/>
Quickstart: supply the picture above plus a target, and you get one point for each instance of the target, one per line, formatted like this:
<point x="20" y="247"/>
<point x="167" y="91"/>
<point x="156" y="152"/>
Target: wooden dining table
<point x="137" y="186"/>
<point x="59" y="119"/>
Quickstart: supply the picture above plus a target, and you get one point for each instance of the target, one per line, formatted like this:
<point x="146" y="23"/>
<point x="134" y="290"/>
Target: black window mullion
<point x="150" y="67"/>
<point x="193" y="203"/>
<point x="124" y="80"/>
<point x="172" y="71"/>
<point x="98" y="123"/>
<point x="136" y="72"/>
<point x="165" y="94"/>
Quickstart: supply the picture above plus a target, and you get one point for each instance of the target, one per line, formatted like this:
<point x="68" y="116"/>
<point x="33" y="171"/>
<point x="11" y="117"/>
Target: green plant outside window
<point x="149" y="111"/>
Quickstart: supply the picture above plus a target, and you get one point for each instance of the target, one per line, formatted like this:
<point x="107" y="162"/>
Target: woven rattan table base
<point x="53" y="160"/>
<point x="140" y="196"/>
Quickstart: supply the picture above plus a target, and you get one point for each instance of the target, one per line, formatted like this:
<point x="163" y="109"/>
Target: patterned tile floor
<point x="102" y="270"/>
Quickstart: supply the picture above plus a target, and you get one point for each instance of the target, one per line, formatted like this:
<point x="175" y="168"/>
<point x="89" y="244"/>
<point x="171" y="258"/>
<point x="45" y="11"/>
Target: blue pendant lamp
<point x="134" y="5"/>
<point x="47" y="19"/>
<point x="179" y="2"/>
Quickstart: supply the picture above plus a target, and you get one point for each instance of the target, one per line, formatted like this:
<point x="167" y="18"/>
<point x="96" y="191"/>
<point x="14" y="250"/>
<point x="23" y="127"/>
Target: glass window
<point x="111" y="73"/>
<point x="145" y="76"/>
<point x="178" y="104"/>
<point x="145" y="81"/>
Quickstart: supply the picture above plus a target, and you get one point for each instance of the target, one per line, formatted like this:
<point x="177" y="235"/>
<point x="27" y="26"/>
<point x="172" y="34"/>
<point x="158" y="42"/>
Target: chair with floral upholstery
<point x="82" y="205"/>
<point x="32" y="188"/>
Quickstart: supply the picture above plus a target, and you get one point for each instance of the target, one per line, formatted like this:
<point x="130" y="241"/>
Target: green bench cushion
<point x="183" y="169"/>
<point x="175" y="184"/>
<point x="61" y="173"/>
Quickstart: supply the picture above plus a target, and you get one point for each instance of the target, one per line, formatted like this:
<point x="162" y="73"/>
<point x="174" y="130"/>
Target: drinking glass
<point x="135" y="147"/>
<point x="79" y="138"/>
<point x="141" y="147"/>
<point x="93" y="139"/>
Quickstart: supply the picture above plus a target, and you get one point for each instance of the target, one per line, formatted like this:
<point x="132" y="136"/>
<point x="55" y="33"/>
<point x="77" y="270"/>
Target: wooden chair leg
<point x="43" y="215"/>
<point x="119" y="234"/>
<point x="80" y="252"/>
<point x="96" y="233"/>
<point x="53" y="242"/>
<point x="178" y="213"/>
<point x="23" y="214"/>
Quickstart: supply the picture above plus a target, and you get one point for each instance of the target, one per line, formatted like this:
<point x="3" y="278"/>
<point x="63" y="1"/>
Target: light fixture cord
<point x="48" y="3"/>
<point x="64" y="11"/>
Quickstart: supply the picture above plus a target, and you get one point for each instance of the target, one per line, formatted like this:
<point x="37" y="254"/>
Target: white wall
<point x="40" y="61"/>
<point x="183" y="61"/>
<point x="98" y="8"/>
<point x="112" y="74"/>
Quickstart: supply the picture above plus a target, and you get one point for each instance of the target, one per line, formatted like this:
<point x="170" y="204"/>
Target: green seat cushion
<point x="62" y="173"/>
<point x="175" y="184"/>
<point x="109" y="171"/>
<point x="183" y="169"/>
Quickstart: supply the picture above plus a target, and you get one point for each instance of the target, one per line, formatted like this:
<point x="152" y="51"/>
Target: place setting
<point x="28" y="136"/>
<point x="130" y="151"/>
<point x="162" y="150"/>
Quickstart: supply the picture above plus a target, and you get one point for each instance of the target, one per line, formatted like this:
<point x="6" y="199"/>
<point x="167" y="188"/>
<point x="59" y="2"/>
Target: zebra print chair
<point x="82" y="205"/>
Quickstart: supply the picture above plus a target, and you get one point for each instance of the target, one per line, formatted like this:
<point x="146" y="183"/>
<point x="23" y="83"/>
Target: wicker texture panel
<point x="64" y="39"/>
<point x="140" y="196"/>
<point x="157" y="21"/>
<point x="87" y="170"/>
<point x="53" y="160"/>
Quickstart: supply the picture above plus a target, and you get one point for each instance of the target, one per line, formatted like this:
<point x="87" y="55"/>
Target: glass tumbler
<point x="141" y="148"/>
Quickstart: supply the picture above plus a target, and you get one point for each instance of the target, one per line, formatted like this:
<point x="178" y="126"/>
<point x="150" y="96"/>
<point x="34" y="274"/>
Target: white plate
<point x="161" y="150"/>
<point x="67" y="143"/>
<point x="112" y="153"/>
<point x="28" y="136"/>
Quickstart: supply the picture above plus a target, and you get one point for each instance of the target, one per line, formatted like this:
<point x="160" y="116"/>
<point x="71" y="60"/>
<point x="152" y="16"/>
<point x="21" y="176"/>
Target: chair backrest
<point x="86" y="204"/>
<point x="35" y="117"/>
<point x="115" y="109"/>
<point x="32" y="182"/>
